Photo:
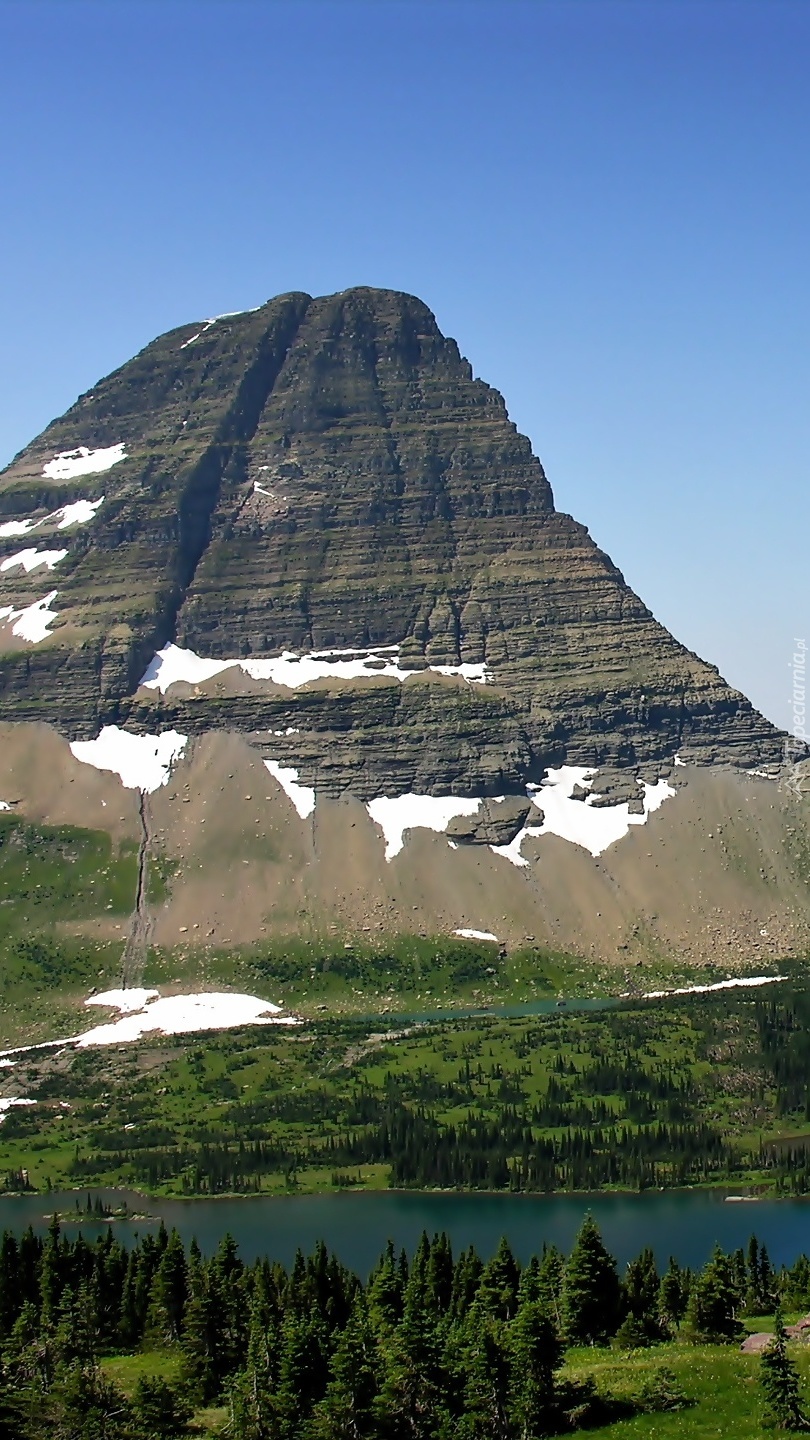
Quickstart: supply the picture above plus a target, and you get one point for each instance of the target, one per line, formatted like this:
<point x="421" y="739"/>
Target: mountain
<point x="306" y="541"/>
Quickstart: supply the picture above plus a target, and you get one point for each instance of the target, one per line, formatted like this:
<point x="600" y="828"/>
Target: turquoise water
<point x="686" y="1224"/>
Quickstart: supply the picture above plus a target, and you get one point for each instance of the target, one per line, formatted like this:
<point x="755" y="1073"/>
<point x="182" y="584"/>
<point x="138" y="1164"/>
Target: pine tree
<point x="498" y="1286"/>
<point x="302" y="1372"/>
<point x="780" y="1383"/>
<point x="411" y="1395"/>
<point x="159" y="1411"/>
<point x="673" y="1294"/>
<point x="641" y="1325"/>
<point x="591" y="1292"/>
<point x="169" y="1291"/>
<point x="536" y="1353"/>
<point x="711" y="1315"/>
<point x="346" y="1411"/>
<point x="385" y="1295"/>
<point x="202" y="1337"/>
<point x="485" y="1408"/>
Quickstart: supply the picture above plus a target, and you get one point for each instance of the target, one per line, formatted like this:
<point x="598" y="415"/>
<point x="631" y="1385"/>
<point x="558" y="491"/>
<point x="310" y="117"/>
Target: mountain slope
<point x="365" y="676"/>
<point x="324" y="474"/>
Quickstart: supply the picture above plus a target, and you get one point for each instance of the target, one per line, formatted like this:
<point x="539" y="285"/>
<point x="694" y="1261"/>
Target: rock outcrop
<point x="328" y="474"/>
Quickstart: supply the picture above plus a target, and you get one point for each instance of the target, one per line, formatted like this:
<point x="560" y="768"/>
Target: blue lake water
<point x="686" y="1224"/>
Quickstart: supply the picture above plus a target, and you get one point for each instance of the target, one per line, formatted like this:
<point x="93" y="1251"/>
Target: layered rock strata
<point x="328" y="473"/>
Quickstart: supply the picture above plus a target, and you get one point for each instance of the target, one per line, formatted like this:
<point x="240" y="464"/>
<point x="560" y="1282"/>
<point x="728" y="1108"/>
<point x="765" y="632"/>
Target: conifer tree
<point x="346" y="1411"/>
<point x="410" y="1402"/>
<point x="169" y="1291"/>
<point x="711" y="1315"/>
<point x="591" y="1292"/>
<point x="302" y="1377"/>
<point x="485" y="1408"/>
<point x="673" y="1294"/>
<point x="641" y="1325"/>
<point x="385" y="1297"/>
<point x="780" y="1383"/>
<point x="498" y="1286"/>
<point x="536" y="1353"/>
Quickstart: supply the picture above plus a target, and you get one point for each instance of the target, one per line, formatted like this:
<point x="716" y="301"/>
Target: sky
<point x="605" y="202"/>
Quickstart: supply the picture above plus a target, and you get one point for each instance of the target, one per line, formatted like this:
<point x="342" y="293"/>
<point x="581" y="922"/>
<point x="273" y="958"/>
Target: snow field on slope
<point x="70" y="464"/>
<point x="302" y="796"/>
<point x="173" y="664"/>
<point x="475" y="934"/>
<point x="31" y="559"/>
<point x="742" y="980"/>
<point x="177" y="1015"/>
<point x="577" y="821"/>
<point x="31" y="623"/>
<point x="78" y="512"/>
<point x="142" y="762"/>
<point x="396" y="814"/>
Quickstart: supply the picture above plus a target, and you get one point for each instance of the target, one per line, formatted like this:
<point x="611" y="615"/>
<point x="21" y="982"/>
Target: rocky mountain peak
<point x="325" y="478"/>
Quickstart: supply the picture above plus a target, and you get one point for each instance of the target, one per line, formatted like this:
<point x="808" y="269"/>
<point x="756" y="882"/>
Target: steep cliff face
<point x="326" y="475"/>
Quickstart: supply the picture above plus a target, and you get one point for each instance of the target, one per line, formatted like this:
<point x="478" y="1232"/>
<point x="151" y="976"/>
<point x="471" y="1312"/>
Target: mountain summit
<point x="326" y="474"/>
<point x="304" y="542"/>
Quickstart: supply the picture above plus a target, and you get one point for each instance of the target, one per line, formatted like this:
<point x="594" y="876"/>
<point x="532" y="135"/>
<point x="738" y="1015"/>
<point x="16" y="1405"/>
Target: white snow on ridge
<point x="31" y="623"/>
<point x="173" y="663"/>
<point x="302" y="796"/>
<point x="31" y="559"/>
<point x="292" y="670"/>
<point x="185" y="1014"/>
<point x="70" y="464"/>
<point x="396" y="814"/>
<point x="475" y="934"/>
<point x="743" y="980"/>
<point x="142" y="762"/>
<point x="226" y="315"/>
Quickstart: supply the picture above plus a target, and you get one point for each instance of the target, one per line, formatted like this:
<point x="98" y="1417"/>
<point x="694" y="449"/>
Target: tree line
<point x="429" y="1347"/>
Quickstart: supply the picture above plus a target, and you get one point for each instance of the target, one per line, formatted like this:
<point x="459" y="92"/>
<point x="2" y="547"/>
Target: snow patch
<point x="31" y="559"/>
<point x="172" y="664"/>
<point x="123" y="1000"/>
<point x="78" y="513"/>
<point x="142" y="762"/>
<point x="744" y="980"/>
<point x="31" y="623"/>
<point x="512" y="852"/>
<point x="396" y="814"/>
<point x="71" y="463"/>
<point x="293" y="670"/>
<point x="227" y="315"/>
<point x="18" y="527"/>
<point x="475" y="934"/>
<point x="185" y="1014"/>
<point x="580" y="822"/>
<point x="302" y="796"/>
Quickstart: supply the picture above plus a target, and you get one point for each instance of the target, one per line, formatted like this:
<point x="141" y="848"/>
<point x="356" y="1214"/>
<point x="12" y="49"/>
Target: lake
<point x="686" y="1224"/>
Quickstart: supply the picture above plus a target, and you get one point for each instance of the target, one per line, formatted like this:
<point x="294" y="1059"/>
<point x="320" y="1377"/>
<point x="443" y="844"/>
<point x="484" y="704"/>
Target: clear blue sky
<point x="605" y="202"/>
